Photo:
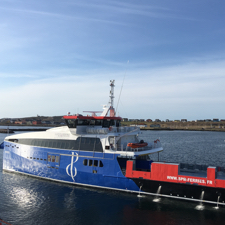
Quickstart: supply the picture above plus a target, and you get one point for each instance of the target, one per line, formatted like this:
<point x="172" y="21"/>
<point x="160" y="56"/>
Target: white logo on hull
<point x="70" y="170"/>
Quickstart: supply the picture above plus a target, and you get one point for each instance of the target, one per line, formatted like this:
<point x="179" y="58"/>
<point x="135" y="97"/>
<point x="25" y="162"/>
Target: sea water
<point x="27" y="200"/>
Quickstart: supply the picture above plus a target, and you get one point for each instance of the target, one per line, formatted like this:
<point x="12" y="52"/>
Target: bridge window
<point x="71" y="123"/>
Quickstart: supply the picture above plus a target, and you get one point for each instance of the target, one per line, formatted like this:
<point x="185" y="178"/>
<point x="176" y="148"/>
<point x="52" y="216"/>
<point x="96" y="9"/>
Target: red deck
<point x="169" y="172"/>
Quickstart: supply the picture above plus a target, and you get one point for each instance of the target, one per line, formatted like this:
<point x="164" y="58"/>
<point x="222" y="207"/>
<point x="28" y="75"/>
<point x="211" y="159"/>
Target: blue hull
<point x="76" y="167"/>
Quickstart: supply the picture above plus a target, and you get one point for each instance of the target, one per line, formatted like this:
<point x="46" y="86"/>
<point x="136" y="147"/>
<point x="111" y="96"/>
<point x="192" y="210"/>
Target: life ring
<point x="137" y="145"/>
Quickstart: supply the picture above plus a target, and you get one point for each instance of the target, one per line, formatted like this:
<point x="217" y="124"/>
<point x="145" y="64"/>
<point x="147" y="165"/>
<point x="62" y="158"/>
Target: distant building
<point x="125" y="119"/>
<point x="183" y="120"/>
<point x="36" y="122"/>
<point x="216" y="120"/>
<point x="133" y="120"/>
<point x="46" y="122"/>
<point x="148" y="120"/>
<point x="20" y="122"/>
<point x="157" y="120"/>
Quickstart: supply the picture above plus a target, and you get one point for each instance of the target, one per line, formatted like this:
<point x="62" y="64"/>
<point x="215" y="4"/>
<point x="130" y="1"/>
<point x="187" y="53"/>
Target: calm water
<point x="27" y="200"/>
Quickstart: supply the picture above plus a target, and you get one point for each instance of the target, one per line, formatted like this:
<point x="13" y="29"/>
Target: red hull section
<point x="169" y="172"/>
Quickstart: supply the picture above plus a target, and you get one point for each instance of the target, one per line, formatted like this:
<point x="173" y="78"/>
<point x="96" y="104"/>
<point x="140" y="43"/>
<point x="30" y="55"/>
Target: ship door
<point x="53" y="160"/>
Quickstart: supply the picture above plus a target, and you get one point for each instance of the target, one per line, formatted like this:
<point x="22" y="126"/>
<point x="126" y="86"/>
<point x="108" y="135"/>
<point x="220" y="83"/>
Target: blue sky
<point x="58" y="57"/>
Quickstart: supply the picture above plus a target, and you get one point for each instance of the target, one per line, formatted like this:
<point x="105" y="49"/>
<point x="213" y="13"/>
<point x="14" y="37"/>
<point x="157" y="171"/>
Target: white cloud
<point x="157" y="93"/>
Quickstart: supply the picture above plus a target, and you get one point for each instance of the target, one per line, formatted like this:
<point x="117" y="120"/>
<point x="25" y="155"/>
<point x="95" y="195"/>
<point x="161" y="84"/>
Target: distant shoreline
<point x="185" y="126"/>
<point x="161" y="129"/>
<point x="169" y="126"/>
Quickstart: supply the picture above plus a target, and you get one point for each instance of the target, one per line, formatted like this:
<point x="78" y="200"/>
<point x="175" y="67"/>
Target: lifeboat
<point x="137" y="145"/>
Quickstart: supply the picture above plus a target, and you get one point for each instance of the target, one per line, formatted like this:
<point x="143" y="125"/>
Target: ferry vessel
<point x="97" y="151"/>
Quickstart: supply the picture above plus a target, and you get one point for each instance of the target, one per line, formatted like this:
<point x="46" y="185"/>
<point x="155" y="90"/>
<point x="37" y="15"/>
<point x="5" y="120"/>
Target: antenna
<point x="122" y="86"/>
<point x="112" y="85"/>
<point x="112" y="111"/>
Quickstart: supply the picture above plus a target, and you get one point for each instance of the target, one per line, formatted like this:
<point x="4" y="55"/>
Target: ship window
<point x="90" y="162"/>
<point x="92" y="141"/>
<point x="66" y="145"/>
<point x="62" y="144"/>
<point x="81" y="143"/>
<point x="95" y="162"/>
<point x="53" y="158"/>
<point x="58" y="144"/>
<point x="57" y="159"/>
<point x="54" y="144"/>
<point x="98" y="122"/>
<point x="39" y="143"/>
<point x="85" y="162"/>
<point x="94" y="171"/>
<point x="92" y="122"/>
<point x="106" y="123"/>
<point x="49" y="158"/>
<point x="83" y="122"/>
<point x="100" y="164"/>
<point x="71" y="123"/>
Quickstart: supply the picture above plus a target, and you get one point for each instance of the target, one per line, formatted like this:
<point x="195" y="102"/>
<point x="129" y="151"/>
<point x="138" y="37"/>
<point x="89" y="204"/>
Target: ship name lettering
<point x="209" y="182"/>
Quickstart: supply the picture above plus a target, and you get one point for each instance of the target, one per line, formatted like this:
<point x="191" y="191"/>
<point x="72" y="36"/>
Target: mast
<point x="112" y="110"/>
